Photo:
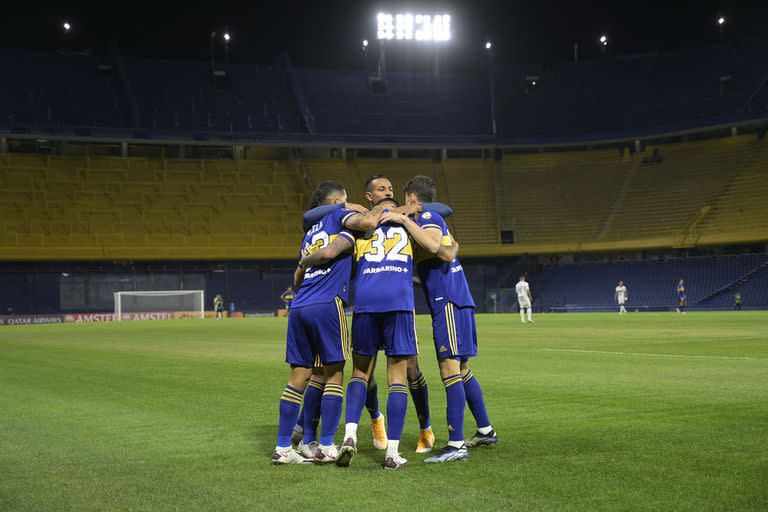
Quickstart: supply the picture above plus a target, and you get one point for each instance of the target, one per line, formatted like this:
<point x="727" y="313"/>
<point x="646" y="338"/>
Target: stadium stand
<point x="651" y="284"/>
<point x="705" y="191"/>
<point x="135" y="208"/>
<point x="411" y="104"/>
<point x="636" y="94"/>
<point x="182" y="96"/>
<point x="626" y="95"/>
<point x="739" y="210"/>
<point x="698" y="193"/>
<point x="561" y="197"/>
<point x="58" y="91"/>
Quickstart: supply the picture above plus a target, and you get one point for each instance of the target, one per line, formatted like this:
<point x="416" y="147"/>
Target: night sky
<point x="329" y="33"/>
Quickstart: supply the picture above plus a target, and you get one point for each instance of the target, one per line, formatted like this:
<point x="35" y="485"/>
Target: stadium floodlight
<point x="365" y="43"/>
<point x="406" y="26"/>
<point x="488" y="45"/>
<point x="604" y="40"/>
<point x="226" y="36"/>
<point x="66" y="26"/>
<point x="721" y="20"/>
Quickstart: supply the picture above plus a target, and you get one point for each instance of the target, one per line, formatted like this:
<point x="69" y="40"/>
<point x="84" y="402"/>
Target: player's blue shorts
<point x="454" y="332"/>
<point x="317" y="334"/>
<point x="393" y="331"/>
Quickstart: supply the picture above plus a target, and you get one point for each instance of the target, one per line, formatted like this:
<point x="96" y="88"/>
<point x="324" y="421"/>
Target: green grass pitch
<point x="649" y="411"/>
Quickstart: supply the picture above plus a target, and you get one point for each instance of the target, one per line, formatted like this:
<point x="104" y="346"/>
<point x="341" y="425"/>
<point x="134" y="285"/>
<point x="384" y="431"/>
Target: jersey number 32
<point x="394" y="237"/>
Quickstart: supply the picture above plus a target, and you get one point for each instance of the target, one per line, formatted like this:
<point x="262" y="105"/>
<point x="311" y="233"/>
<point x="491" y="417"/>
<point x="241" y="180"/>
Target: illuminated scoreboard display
<point x="407" y="26"/>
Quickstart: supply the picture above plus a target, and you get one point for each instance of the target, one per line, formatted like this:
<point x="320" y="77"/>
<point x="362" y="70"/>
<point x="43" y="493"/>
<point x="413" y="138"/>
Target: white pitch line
<point x="672" y="356"/>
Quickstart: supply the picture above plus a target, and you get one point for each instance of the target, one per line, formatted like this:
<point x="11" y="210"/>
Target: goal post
<point x="191" y="303"/>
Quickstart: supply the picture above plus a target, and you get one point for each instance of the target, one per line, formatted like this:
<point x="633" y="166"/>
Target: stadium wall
<point x="565" y="283"/>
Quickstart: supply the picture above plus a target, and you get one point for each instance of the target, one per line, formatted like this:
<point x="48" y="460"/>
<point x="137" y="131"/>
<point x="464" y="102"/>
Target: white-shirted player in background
<point x="524" y="299"/>
<point x="621" y="296"/>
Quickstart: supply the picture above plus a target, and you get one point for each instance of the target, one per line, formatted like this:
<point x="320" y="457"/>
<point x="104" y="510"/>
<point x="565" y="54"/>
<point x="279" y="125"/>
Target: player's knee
<point x="397" y="370"/>
<point x="413" y="367"/>
<point x="299" y="377"/>
<point x="334" y="373"/>
<point x="449" y="366"/>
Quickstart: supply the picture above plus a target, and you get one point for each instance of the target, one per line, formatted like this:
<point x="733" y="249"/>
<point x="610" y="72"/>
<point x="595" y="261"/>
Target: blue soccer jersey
<point x="384" y="275"/>
<point x="681" y="291"/>
<point x="323" y="283"/>
<point x="442" y="282"/>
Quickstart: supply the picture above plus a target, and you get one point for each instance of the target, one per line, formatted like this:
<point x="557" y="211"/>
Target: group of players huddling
<point x="382" y="245"/>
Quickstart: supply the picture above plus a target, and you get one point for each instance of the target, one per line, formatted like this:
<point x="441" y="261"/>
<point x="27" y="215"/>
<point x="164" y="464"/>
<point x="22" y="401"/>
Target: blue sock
<point x="397" y="404"/>
<point x="420" y="396"/>
<point x="456" y="400"/>
<point x="475" y="400"/>
<point x="372" y="399"/>
<point x="333" y="397"/>
<point x="290" y="402"/>
<point x="355" y="399"/>
<point x="312" y="398"/>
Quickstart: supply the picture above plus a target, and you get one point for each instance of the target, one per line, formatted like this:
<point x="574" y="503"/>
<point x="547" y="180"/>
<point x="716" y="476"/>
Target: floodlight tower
<point x="385" y="31"/>
<point x="491" y="84"/>
<point x="721" y="26"/>
<point x="603" y="42"/>
<point x="226" y="37"/>
<point x="381" y="67"/>
<point x="213" y="60"/>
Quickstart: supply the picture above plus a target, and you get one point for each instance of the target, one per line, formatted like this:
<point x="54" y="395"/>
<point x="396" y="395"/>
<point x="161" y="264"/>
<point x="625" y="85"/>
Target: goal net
<point x="174" y="303"/>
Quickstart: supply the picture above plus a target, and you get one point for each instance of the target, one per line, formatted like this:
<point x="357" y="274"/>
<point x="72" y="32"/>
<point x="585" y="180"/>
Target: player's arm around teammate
<point x="448" y="253"/>
<point x="429" y="239"/>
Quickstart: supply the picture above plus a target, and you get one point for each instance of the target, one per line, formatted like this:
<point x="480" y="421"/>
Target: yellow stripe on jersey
<point x="347" y="217"/>
<point x="431" y="226"/>
<point x="415" y="334"/>
<point x="347" y="236"/>
<point x="320" y="243"/>
<point x="343" y="328"/>
<point x="450" y="321"/>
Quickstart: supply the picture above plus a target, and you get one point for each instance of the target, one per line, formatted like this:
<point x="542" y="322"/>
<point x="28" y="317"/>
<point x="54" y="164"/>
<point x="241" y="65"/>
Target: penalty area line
<point x="671" y="356"/>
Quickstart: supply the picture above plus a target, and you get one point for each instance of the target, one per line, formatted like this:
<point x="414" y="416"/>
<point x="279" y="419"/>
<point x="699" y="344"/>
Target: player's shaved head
<point x="423" y="188"/>
<point x="369" y="182"/>
<point x="387" y="202"/>
<point x="328" y="192"/>
<point x="378" y="187"/>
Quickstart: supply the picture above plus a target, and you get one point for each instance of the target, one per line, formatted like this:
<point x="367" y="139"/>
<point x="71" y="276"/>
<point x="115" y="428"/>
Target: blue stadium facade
<point x="74" y="94"/>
